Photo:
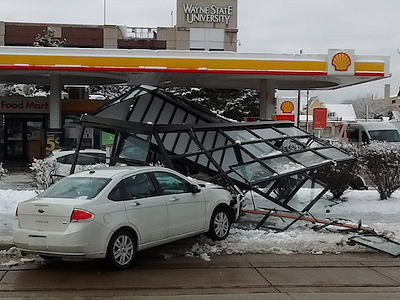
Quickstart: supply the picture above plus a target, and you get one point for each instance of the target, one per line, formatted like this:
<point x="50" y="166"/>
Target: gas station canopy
<point x="336" y="69"/>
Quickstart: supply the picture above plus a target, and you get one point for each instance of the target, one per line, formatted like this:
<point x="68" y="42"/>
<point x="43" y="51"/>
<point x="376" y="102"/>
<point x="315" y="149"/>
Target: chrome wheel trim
<point x="221" y="224"/>
<point x="123" y="250"/>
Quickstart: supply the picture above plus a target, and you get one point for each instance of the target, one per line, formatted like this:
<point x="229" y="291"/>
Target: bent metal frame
<point x="272" y="159"/>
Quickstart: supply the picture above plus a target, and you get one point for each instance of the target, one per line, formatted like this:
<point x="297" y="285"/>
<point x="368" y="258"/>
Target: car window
<point x="172" y="184"/>
<point x="76" y="187"/>
<point x="134" y="187"/>
<point x="387" y="135"/>
<point x="89" y="159"/>
<point x="67" y="159"/>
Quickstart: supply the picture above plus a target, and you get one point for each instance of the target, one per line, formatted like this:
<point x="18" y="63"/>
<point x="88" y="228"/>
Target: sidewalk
<point x="16" y="180"/>
<point x="227" y="277"/>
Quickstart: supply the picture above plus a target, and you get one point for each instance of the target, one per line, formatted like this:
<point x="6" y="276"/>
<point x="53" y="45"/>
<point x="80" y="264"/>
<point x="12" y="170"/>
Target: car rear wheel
<point x="121" y="250"/>
<point x="219" y="225"/>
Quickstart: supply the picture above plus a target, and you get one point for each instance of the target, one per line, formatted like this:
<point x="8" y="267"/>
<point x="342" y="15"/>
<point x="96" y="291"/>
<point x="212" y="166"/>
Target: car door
<point x="145" y="208"/>
<point x="186" y="210"/>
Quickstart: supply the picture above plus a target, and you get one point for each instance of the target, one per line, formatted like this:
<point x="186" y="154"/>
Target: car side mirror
<point x="195" y="189"/>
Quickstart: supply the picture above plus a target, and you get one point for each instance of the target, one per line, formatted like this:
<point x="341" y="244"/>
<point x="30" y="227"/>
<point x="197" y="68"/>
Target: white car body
<point x="86" y="158"/>
<point x="80" y="227"/>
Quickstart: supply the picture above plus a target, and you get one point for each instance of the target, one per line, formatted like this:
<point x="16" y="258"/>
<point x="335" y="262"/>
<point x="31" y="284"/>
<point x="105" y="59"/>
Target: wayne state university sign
<point x="207" y="14"/>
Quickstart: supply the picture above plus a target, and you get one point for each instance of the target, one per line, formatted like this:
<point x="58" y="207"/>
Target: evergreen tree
<point x="48" y="39"/>
<point x="233" y="104"/>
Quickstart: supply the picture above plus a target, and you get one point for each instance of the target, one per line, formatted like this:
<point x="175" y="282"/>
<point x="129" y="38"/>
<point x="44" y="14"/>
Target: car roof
<point x="120" y="171"/>
<point x="376" y="125"/>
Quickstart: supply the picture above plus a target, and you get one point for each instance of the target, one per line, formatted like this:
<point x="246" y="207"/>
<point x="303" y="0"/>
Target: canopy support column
<point x="267" y="99"/>
<point x="55" y="102"/>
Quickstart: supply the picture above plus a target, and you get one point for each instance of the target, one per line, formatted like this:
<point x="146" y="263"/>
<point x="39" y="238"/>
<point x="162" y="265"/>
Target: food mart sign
<point x="24" y="105"/>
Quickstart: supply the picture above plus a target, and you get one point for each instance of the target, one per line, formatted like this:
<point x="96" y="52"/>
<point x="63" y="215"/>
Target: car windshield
<point x="76" y="187"/>
<point x="389" y="135"/>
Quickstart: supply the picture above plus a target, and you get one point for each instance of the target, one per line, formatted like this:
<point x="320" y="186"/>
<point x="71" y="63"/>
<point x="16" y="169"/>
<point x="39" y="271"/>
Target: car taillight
<point x="81" y="215"/>
<point x="16" y="213"/>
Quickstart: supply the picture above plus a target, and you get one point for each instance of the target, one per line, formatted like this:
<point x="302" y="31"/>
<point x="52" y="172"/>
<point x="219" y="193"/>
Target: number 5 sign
<point x="54" y="139"/>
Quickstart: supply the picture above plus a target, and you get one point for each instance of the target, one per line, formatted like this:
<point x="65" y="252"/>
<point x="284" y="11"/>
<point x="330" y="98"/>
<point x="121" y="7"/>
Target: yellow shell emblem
<point x="341" y="61"/>
<point x="287" y="107"/>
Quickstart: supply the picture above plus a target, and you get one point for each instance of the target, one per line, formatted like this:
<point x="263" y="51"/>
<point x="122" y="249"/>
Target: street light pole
<point x="104" y="11"/>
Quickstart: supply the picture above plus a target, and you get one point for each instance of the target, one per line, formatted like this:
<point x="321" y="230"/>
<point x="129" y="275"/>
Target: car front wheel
<point x="219" y="225"/>
<point x="121" y="250"/>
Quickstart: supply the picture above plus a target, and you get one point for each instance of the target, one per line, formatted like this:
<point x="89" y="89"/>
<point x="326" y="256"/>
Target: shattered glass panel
<point x="307" y="194"/>
<point x="378" y="243"/>
<point x="310" y="142"/>
<point x="209" y="139"/>
<point x="290" y="145"/>
<point x="268" y="133"/>
<point x="193" y="147"/>
<point x="253" y="172"/>
<point x="284" y="187"/>
<point x="134" y="147"/>
<point x="308" y="158"/>
<point x="282" y="165"/>
<point x="293" y="131"/>
<point x="140" y="108"/>
<point x="278" y="223"/>
<point x="242" y="136"/>
<point x="166" y="114"/>
<point x="230" y="159"/>
<point x="334" y="153"/>
<point x="261" y="150"/>
<point x="182" y="144"/>
<point x="169" y="140"/>
<point x="203" y="160"/>
<point x="221" y="141"/>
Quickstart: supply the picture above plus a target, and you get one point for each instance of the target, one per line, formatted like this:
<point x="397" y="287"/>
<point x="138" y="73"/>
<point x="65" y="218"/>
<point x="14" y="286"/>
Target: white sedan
<point x="114" y="212"/>
<point x="86" y="158"/>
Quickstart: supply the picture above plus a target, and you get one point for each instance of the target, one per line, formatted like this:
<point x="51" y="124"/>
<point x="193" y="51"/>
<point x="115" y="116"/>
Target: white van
<point x="366" y="132"/>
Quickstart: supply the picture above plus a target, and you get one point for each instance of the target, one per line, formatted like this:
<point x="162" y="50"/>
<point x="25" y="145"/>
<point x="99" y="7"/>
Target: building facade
<point x="24" y="127"/>
<point x="203" y="25"/>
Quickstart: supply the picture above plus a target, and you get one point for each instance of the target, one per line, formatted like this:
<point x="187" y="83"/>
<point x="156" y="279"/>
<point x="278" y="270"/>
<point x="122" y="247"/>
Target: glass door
<point x="23" y="139"/>
<point x="14" y="140"/>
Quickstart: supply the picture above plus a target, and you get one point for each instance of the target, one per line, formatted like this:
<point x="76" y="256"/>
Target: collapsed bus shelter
<point x="275" y="160"/>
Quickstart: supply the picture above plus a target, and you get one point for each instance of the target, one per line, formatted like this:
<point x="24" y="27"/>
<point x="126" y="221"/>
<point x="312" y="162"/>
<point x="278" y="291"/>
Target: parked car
<point x="114" y="212"/>
<point x="86" y="157"/>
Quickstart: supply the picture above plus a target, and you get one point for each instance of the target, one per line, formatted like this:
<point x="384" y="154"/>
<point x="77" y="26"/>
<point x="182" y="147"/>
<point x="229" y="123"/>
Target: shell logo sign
<point x="287" y="107"/>
<point x="341" y="61"/>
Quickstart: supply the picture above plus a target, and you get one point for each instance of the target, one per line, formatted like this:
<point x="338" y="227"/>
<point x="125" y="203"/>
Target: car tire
<point x="220" y="225"/>
<point x="121" y="250"/>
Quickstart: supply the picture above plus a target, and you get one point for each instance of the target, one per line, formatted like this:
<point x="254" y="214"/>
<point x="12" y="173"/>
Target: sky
<point x="371" y="27"/>
<point x="381" y="215"/>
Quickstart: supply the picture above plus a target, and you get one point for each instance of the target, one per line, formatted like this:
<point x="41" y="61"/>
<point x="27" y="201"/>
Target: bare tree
<point x="370" y="104"/>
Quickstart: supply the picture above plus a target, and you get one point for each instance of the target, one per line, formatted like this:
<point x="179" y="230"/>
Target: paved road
<point x="236" y="277"/>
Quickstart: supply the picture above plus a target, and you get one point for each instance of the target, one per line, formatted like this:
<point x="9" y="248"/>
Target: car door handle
<point x="136" y="203"/>
<point x="173" y="199"/>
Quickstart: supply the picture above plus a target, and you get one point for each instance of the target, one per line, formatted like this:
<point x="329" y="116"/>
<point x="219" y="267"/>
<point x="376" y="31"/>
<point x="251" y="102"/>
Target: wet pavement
<point x="258" y="276"/>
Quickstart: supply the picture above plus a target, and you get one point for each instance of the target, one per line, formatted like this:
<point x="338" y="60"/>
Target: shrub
<point x="42" y="171"/>
<point x="381" y="162"/>
<point x="338" y="177"/>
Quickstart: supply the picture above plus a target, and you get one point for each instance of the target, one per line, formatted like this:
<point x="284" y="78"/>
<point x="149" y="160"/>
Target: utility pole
<point x="104" y="11"/>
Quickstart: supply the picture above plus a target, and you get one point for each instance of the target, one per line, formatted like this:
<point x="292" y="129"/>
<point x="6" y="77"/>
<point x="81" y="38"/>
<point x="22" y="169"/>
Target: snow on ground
<point x="383" y="216"/>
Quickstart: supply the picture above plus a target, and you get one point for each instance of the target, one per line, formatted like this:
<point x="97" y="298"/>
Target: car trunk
<point x="48" y="215"/>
